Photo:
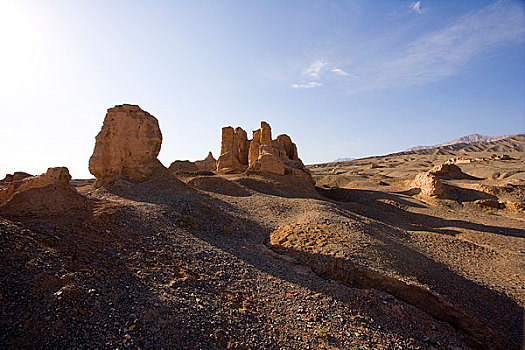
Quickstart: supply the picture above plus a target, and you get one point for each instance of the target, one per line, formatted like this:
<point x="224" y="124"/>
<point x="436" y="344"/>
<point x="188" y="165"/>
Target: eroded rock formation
<point x="234" y="151"/>
<point x="16" y="176"/>
<point x="261" y="154"/>
<point x="208" y="164"/>
<point x="46" y="194"/>
<point x="430" y="185"/>
<point x="56" y="176"/>
<point x="127" y="145"/>
<point x="448" y="171"/>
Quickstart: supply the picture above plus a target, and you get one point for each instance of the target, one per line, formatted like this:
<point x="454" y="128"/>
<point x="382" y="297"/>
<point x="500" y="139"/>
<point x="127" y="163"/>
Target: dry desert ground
<point x="363" y="259"/>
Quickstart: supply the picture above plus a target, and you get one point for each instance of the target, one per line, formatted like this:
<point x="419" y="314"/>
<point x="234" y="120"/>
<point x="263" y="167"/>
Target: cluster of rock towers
<point x="261" y="154"/>
<point x="127" y="146"/>
<point x="130" y="139"/>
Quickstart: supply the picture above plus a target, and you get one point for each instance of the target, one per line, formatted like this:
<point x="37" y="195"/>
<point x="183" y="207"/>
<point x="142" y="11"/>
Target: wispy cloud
<point x="430" y="57"/>
<point x="339" y="71"/>
<point x="309" y="85"/>
<point x="314" y="69"/>
<point x="416" y="6"/>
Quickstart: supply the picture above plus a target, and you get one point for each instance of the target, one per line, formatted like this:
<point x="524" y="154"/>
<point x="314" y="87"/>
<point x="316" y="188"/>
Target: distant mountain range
<point x="466" y="145"/>
<point x="498" y="145"/>
<point x="465" y="139"/>
<point x="343" y="159"/>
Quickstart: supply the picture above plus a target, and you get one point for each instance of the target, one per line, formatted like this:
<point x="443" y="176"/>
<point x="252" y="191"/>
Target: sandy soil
<point x="267" y="262"/>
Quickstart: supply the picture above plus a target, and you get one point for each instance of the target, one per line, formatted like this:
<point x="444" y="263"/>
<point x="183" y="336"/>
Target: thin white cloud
<point x="339" y="71"/>
<point x="309" y="85"/>
<point x="314" y="70"/>
<point x="445" y="52"/>
<point x="416" y="6"/>
<point x="430" y="57"/>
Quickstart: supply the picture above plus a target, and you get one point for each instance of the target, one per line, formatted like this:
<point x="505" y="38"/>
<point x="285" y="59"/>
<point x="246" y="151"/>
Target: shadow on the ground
<point x="287" y="186"/>
<point x="368" y="203"/>
<point x="366" y="196"/>
<point x="220" y="185"/>
<point x="471" y="195"/>
<point x="478" y="300"/>
<point x="123" y="261"/>
<point x="451" y="298"/>
<point x="103" y="281"/>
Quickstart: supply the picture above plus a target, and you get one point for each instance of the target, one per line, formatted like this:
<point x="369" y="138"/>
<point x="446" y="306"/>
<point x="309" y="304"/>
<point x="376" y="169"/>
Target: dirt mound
<point x="161" y="184"/>
<point x="208" y="164"/>
<point x="48" y="194"/>
<point x="218" y="184"/>
<point x="48" y="200"/>
<point x="183" y="166"/>
<point x="278" y="185"/>
<point x="507" y="191"/>
<point x="332" y="251"/>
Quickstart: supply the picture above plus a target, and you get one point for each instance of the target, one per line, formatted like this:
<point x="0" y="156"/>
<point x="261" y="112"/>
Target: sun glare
<point x="18" y="42"/>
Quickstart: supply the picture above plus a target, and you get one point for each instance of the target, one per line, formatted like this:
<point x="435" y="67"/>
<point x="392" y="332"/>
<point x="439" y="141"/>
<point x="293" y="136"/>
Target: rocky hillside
<point x="509" y="144"/>
<point x="465" y="139"/>
<point x="389" y="253"/>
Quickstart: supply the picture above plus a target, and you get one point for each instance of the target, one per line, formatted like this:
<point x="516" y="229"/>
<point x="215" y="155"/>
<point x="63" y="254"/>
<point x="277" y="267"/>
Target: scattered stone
<point x="501" y="157"/>
<point x="127" y="145"/>
<point x="381" y="183"/>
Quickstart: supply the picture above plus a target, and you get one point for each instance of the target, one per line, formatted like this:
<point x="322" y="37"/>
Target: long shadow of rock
<point x="185" y="205"/>
<point x="372" y="207"/>
<point x="287" y="186"/>
<point x="356" y="195"/>
<point x="70" y="285"/>
<point x="470" y="195"/>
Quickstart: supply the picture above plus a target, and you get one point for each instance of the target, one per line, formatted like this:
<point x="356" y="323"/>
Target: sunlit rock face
<point x="127" y="145"/>
<point x="430" y="185"/>
<point x="234" y="151"/>
<point x="259" y="155"/>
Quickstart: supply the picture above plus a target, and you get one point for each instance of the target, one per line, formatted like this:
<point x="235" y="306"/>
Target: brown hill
<point x="510" y="144"/>
<point x="465" y="139"/>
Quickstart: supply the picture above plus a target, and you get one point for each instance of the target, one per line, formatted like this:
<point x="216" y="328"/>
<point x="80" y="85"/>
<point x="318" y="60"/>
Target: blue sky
<point x="342" y="78"/>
